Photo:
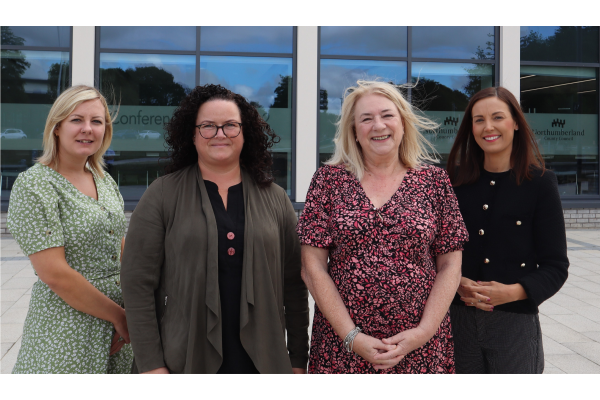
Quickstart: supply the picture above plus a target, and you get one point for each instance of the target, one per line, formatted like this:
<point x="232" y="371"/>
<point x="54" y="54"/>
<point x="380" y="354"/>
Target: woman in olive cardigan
<point x="211" y="267"/>
<point x="516" y="257"/>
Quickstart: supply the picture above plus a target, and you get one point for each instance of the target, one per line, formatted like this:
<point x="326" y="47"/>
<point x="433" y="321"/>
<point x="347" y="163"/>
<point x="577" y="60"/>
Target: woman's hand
<point x="405" y="342"/>
<point x="161" y="370"/>
<point x="368" y="348"/>
<point x="470" y="293"/>
<point x="495" y="293"/>
<point x="121" y="336"/>
<point x="299" y="370"/>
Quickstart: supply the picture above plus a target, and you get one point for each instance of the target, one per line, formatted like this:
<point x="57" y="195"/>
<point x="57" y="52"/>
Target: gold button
<point x="102" y="208"/>
<point x="518" y="222"/>
<point x="485" y="207"/>
<point x="114" y="257"/>
<point x="487" y="261"/>
<point x="111" y="232"/>
<point x="523" y="265"/>
<point x="118" y="283"/>
<point x="492" y="183"/>
<point x="481" y="232"/>
<point x="48" y="232"/>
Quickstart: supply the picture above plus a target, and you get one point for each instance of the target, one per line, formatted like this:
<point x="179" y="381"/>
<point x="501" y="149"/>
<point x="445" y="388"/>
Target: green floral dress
<point x="46" y="211"/>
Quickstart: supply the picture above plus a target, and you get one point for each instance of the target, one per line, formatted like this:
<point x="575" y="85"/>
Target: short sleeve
<point x="451" y="230"/>
<point x="33" y="215"/>
<point x="314" y="228"/>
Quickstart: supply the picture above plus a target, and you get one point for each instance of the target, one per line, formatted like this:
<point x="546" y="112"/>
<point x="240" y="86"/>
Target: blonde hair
<point x="64" y="105"/>
<point x="414" y="149"/>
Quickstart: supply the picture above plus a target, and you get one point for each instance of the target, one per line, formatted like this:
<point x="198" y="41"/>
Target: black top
<point x="230" y="227"/>
<point x="516" y="235"/>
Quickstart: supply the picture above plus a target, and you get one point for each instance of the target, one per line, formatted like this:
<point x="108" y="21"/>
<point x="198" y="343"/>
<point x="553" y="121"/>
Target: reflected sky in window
<point x="259" y="39"/>
<point x="386" y="41"/>
<point x="148" y="37"/>
<point x="460" y="42"/>
<point x="255" y="78"/>
<point x="40" y="62"/>
<point x="180" y="66"/>
<point x="455" y="76"/>
<point x="47" y="36"/>
<point x="338" y="75"/>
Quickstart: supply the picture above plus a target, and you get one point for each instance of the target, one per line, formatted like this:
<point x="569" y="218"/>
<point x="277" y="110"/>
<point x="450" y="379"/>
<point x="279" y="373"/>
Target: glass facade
<point x="31" y="81"/>
<point x="151" y="71"/>
<point x="440" y="89"/>
<point x="146" y="71"/>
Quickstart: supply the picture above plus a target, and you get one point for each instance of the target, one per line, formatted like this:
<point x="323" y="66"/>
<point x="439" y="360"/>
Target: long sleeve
<point x="550" y="243"/>
<point x="295" y="291"/>
<point x="143" y="259"/>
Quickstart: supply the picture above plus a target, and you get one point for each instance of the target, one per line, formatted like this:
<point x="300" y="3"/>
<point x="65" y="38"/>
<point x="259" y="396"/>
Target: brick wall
<point x="582" y="218"/>
<point x="575" y="218"/>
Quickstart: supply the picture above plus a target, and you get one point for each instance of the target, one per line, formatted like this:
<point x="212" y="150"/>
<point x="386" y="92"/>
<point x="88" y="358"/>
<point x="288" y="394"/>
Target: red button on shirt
<point x="231" y="251"/>
<point x="230" y="236"/>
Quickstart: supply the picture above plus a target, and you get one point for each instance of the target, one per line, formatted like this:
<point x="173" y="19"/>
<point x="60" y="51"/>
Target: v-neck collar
<point x="73" y="188"/>
<point x="396" y="193"/>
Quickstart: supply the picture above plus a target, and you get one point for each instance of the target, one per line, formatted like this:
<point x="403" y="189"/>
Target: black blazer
<point x="516" y="235"/>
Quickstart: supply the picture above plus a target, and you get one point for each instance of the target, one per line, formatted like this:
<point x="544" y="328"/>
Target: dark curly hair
<point x="258" y="135"/>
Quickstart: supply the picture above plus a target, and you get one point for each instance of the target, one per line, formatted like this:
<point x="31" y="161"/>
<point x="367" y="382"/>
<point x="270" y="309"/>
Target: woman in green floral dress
<point x="67" y="216"/>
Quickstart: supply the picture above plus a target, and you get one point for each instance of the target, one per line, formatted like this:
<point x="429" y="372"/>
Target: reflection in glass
<point x="46" y="36"/>
<point x="259" y="39"/>
<point x="559" y="43"/>
<point x="561" y="105"/>
<point x="336" y="77"/>
<point x="266" y="82"/>
<point x="443" y="92"/>
<point x="147" y="79"/>
<point x="386" y="41"/>
<point x="148" y="37"/>
<point x="459" y="42"/>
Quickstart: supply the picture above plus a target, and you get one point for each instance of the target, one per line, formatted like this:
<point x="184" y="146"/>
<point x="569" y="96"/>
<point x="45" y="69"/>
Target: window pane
<point x="559" y="43"/>
<point x="561" y="105"/>
<point x="148" y="88"/>
<point x="267" y="84"/>
<point x="336" y="77"/>
<point x="443" y="92"/>
<point x="259" y="39"/>
<point x="468" y="42"/>
<point x="31" y="81"/>
<point x="385" y="41"/>
<point x="47" y="36"/>
<point x="148" y="37"/>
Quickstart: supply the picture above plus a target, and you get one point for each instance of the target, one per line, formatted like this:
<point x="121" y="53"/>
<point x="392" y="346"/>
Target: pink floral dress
<point x="382" y="262"/>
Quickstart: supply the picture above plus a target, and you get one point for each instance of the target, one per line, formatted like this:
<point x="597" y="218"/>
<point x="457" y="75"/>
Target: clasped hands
<point x="486" y="295"/>
<point x="388" y="352"/>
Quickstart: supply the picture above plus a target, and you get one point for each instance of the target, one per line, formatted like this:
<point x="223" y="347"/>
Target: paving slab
<point x="578" y="293"/>
<point x="553" y="347"/>
<point x="567" y="301"/>
<point x="562" y="334"/>
<point x="5" y="306"/>
<point x="595" y="336"/>
<point x="15" y="316"/>
<point x="19" y="283"/>
<point x="574" y="364"/>
<point x="591" y="351"/>
<point x="553" y="371"/>
<point x="26" y="273"/>
<point x="9" y="360"/>
<point x="23" y="301"/>
<point x="590" y="312"/>
<point x="550" y="308"/>
<point x="11" y="332"/>
<point x="593" y="302"/>
<point x="4" y="348"/>
<point x="577" y="323"/>
<point x="12" y="294"/>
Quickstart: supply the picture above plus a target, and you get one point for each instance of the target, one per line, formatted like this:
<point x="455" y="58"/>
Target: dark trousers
<point x="496" y="342"/>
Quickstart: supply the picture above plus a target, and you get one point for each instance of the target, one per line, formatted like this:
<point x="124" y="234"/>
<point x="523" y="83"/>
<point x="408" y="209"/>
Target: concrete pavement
<point x="570" y="320"/>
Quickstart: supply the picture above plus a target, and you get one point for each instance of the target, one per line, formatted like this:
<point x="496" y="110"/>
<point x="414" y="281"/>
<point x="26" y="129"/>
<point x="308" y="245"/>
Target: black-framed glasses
<point x="230" y="129"/>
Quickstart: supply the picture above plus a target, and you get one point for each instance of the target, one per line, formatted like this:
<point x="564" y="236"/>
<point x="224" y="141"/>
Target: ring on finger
<point x="479" y="301"/>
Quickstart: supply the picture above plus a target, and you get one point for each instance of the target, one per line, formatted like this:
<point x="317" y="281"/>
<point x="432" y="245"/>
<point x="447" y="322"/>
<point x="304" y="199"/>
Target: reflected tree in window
<point x="282" y="92"/>
<point x="430" y="94"/>
<point x="568" y="43"/>
<point x="147" y="85"/>
<point x="58" y="76"/>
<point x="14" y="65"/>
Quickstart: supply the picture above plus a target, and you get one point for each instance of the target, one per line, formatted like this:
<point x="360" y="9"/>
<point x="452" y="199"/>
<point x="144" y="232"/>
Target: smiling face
<point x="220" y="151"/>
<point x="493" y="127"/>
<point x="80" y="135"/>
<point x="378" y="127"/>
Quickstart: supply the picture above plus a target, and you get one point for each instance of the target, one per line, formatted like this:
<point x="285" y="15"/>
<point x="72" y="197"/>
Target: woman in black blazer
<point x="516" y="257"/>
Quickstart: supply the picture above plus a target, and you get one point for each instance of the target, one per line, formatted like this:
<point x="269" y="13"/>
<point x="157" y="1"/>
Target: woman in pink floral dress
<point x="382" y="238"/>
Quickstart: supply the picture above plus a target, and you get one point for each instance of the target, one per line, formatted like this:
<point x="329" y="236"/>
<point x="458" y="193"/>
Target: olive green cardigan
<point x="171" y="257"/>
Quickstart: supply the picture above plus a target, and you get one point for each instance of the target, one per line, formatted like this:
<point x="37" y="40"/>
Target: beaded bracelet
<point x="349" y="339"/>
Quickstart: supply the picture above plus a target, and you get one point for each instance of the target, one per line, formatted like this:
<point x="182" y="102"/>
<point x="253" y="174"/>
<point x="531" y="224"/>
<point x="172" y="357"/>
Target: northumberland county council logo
<point x="454" y="121"/>
<point x="558" y="122"/>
